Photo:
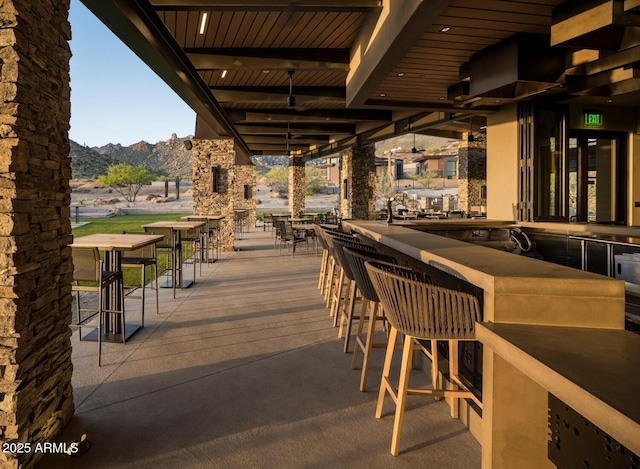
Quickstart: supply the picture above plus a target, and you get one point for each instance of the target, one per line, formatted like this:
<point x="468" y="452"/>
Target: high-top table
<point x="176" y="228"/>
<point x="113" y="245"/>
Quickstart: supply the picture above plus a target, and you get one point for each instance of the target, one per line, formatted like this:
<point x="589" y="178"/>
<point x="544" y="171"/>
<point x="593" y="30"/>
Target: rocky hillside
<point x="168" y="158"/>
<point x="87" y="163"/>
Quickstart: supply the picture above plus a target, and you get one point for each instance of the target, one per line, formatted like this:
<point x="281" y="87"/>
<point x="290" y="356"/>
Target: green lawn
<point x="126" y="223"/>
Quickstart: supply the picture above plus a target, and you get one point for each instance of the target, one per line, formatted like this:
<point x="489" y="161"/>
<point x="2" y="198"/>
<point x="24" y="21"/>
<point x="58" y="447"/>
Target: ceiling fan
<point x="291" y="99"/>
<point x="414" y="149"/>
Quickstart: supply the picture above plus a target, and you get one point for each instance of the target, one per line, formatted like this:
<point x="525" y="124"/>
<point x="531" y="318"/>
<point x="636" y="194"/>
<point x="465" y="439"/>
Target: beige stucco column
<point x="472" y="172"/>
<point x="297" y="189"/>
<point x="220" y="186"/>
<point x="502" y="163"/>
<point x="358" y="182"/>
<point x="36" y="398"/>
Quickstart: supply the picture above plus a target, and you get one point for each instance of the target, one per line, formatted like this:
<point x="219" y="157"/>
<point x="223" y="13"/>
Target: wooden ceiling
<point x="363" y="70"/>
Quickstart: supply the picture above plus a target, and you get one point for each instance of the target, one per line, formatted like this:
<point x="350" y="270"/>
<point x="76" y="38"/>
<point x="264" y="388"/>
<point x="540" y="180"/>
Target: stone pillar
<point x="297" y="188"/>
<point x="472" y="172"/>
<point x="244" y="189"/>
<point x="219" y="185"/>
<point x="36" y="270"/>
<point x="358" y="182"/>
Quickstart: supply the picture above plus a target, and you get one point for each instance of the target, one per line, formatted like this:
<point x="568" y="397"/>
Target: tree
<point x="424" y="178"/>
<point x="126" y="179"/>
<point x="315" y="180"/>
<point x="279" y="179"/>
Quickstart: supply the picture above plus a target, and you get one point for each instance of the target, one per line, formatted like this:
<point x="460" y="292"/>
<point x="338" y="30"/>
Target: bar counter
<point x="517" y="289"/>
<point x="531" y="295"/>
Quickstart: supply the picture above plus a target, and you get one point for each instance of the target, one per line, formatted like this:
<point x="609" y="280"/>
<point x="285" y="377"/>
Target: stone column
<point x="36" y="270"/>
<point x="297" y="189"/>
<point x="472" y="172"/>
<point x="219" y="185"/>
<point x="244" y="189"/>
<point x="358" y="182"/>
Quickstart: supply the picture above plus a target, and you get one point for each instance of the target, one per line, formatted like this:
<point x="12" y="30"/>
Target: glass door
<point x="595" y="179"/>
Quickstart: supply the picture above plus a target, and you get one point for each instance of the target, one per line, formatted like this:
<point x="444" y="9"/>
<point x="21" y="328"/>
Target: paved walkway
<point x="244" y="369"/>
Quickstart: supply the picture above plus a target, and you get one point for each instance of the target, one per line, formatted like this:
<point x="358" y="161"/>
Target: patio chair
<point x="141" y="259"/>
<point x="420" y="310"/>
<point x="89" y="268"/>
<point x="290" y="237"/>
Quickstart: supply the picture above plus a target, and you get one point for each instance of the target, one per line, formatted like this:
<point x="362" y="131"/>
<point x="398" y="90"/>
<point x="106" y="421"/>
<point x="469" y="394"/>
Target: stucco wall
<point x="502" y="163"/>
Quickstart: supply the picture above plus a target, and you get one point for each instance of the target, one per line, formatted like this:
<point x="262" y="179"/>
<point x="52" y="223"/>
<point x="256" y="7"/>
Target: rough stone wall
<point x="357" y="199"/>
<point x="245" y="175"/>
<point x="297" y="183"/>
<point x="472" y="172"/>
<point x="36" y="398"/>
<point x="231" y="179"/>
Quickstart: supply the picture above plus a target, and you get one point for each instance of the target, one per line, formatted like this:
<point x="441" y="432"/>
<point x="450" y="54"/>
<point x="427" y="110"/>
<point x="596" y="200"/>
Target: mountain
<point x="404" y="143"/>
<point x="169" y="158"/>
<point x="87" y="163"/>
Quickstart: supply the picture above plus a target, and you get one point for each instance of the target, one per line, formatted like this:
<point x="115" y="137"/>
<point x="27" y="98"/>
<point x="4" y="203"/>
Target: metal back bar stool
<point x="141" y="259"/>
<point x="88" y="267"/>
<point x="168" y="247"/>
<point x="420" y="310"/>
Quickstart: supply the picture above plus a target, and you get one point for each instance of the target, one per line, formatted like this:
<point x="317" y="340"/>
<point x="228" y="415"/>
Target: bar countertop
<point x="594" y="371"/>
<point x="517" y="288"/>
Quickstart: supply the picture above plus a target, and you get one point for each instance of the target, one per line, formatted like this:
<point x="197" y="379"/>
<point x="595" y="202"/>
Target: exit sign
<point x="593" y="118"/>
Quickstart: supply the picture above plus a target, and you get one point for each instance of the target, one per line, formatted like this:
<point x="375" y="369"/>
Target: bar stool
<point x="351" y="294"/>
<point x="334" y="268"/>
<point x="339" y="295"/>
<point x="324" y="261"/>
<point x="141" y="259"/>
<point x="88" y="267"/>
<point x="420" y="310"/>
<point x="356" y="258"/>
<point x="167" y="246"/>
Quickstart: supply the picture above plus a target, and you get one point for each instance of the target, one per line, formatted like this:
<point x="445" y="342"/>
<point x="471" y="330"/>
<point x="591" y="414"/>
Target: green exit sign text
<point x="593" y="119"/>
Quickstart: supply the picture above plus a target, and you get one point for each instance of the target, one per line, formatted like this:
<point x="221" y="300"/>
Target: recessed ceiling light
<point x="382" y="95"/>
<point x="265" y="71"/>
<point x="203" y="23"/>
<point x="400" y="74"/>
<point x="442" y="97"/>
<point x="609" y="100"/>
<point x="446" y="29"/>
<point x="223" y="74"/>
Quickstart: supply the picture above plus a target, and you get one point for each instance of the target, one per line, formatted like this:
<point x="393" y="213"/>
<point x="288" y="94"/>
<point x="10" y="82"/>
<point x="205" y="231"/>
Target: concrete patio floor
<point x="244" y="369"/>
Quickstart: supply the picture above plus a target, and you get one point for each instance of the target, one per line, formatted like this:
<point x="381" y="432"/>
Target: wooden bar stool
<point x="335" y="276"/>
<point x="351" y="295"/>
<point x="420" y="310"/>
<point x="371" y="309"/>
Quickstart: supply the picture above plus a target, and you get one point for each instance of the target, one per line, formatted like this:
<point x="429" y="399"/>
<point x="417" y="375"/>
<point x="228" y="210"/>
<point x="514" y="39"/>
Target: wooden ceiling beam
<point x="268" y="95"/>
<point x="297" y="128"/>
<point x="384" y="40"/>
<point x="253" y="140"/>
<point x="257" y="62"/>
<point x="269" y="5"/>
<point x="310" y="115"/>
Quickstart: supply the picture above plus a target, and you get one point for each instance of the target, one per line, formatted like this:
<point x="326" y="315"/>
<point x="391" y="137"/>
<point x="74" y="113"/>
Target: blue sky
<point x="115" y="97"/>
